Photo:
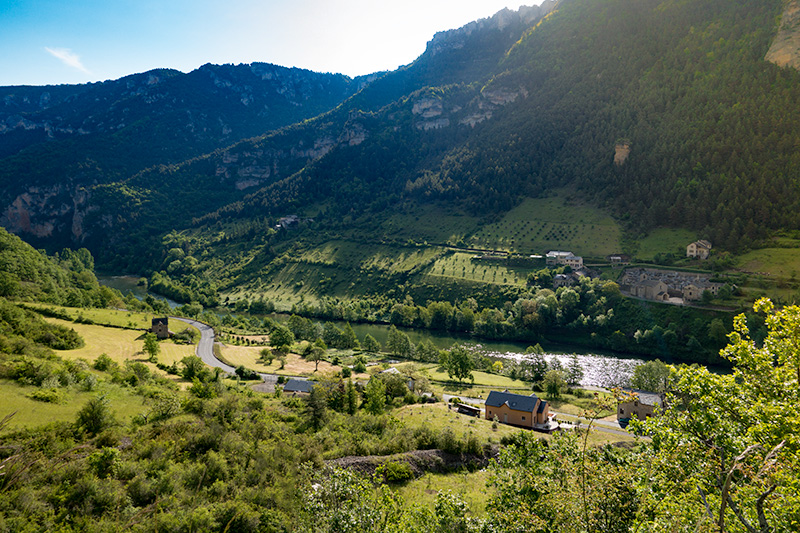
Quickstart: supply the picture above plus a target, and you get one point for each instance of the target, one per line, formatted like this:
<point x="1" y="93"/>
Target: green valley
<point x="617" y="177"/>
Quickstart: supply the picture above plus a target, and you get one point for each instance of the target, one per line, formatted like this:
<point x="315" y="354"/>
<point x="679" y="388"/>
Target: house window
<point x="523" y="419"/>
<point x="622" y="411"/>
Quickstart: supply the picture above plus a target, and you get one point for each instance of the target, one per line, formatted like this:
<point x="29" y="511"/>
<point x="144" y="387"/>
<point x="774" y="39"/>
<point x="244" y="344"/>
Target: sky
<point x="48" y="42"/>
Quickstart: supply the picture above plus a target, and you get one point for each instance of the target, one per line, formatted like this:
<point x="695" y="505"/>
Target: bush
<point x="95" y="416"/>
<point x="395" y="472"/>
<point x="46" y="395"/>
<point x="247" y="374"/>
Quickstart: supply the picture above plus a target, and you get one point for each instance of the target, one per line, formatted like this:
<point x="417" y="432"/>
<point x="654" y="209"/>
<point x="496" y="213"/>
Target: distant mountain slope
<point x="57" y="196"/>
<point x="56" y="142"/>
<point x="515" y="106"/>
<point x="682" y="88"/>
<point x="785" y="49"/>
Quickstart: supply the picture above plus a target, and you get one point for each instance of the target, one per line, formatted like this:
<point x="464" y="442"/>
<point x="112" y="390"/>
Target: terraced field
<point x="460" y="266"/>
<point x="539" y="225"/>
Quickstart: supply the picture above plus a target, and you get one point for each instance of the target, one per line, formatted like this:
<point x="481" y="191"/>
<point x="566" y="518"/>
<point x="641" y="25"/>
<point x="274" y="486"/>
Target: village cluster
<point x="669" y="286"/>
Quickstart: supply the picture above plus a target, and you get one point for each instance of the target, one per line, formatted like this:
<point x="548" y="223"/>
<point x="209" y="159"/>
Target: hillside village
<point x="655" y="284"/>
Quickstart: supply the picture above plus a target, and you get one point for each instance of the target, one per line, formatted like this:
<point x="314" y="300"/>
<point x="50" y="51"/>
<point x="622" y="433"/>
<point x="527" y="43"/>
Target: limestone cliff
<point x="785" y="49"/>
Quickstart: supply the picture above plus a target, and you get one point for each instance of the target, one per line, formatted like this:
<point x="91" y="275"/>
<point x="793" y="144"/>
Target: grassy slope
<point x="31" y="413"/>
<point x="664" y="240"/>
<point x="119" y="344"/>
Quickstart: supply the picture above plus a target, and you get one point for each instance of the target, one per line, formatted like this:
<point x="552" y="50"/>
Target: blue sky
<point x="78" y="41"/>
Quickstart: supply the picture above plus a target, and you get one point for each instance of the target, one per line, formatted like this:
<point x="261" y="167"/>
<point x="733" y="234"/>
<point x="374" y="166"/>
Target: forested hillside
<point x="56" y="143"/>
<point x="684" y="85"/>
<point x="684" y="88"/>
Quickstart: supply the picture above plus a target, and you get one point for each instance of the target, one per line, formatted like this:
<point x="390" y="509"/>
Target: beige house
<point x="518" y="410"/>
<point x="655" y="290"/>
<point x="646" y="404"/>
<point x="699" y="249"/>
<point x="554" y="258"/>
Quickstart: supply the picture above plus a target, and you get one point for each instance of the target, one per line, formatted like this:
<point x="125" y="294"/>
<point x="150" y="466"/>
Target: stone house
<point x="646" y="404"/>
<point x="694" y="292"/>
<point x="160" y="326"/>
<point x="652" y="289"/>
<point x="555" y="258"/>
<point x="699" y="249"/>
<point x="563" y="280"/>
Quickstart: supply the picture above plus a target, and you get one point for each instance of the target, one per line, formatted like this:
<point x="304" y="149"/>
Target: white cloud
<point x="68" y="58"/>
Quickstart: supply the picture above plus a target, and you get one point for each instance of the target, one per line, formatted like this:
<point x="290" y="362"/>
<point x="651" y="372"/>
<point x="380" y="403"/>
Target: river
<point x="126" y="284"/>
<point x="600" y="369"/>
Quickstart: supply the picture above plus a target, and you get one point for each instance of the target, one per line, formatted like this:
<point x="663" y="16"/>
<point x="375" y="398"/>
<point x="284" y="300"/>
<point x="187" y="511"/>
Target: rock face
<point x="785" y="49"/>
<point x="455" y="39"/>
<point x="621" y="153"/>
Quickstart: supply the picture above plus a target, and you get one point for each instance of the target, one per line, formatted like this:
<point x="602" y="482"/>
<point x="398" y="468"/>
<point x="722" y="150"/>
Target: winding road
<point x="205" y="351"/>
<point x="205" y="348"/>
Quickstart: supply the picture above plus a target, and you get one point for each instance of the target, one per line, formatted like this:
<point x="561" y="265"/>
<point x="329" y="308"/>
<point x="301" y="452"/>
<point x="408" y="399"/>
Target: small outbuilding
<point x="470" y="410"/>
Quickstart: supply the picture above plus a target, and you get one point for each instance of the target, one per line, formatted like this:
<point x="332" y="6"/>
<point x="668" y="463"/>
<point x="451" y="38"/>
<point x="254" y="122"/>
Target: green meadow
<point x="664" y="241"/>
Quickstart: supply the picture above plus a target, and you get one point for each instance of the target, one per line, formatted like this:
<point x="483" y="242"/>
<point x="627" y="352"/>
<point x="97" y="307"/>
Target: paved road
<point x="205" y="348"/>
<point x="205" y="351"/>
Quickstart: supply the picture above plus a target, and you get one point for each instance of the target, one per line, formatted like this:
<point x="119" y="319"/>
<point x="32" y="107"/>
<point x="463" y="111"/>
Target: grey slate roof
<point x="542" y="407"/>
<point x="517" y="402"/>
<point x="299" y="385"/>
<point x="647" y="397"/>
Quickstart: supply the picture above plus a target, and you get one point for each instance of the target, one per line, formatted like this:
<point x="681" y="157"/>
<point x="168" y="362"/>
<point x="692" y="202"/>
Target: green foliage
<point x="394" y="472"/>
<point x="47" y="395"/>
<point x="651" y="376"/>
<point x="281" y="338"/>
<point x="553" y="383"/>
<point x="459" y="363"/>
<point x="246" y="373"/>
<point x="151" y="347"/>
<point x="734" y="433"/>
<point x="375" y="396"/>
<point x="370" y="344"/>
<point x="398" y="343"/>
<point x="95" y="416"/>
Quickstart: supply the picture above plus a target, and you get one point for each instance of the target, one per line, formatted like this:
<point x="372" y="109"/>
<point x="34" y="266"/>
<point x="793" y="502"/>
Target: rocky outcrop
<point x="785" y="49"/>
<point x="621" y="153"/>
<point x="455" y="39"/>
<point x="44" y="211"/>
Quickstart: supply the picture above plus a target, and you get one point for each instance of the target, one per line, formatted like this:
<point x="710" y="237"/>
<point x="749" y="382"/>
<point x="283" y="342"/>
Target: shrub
<point x="46" y="395"/>
<point x="95" y="416"/>
<point x="395" y="472"/>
